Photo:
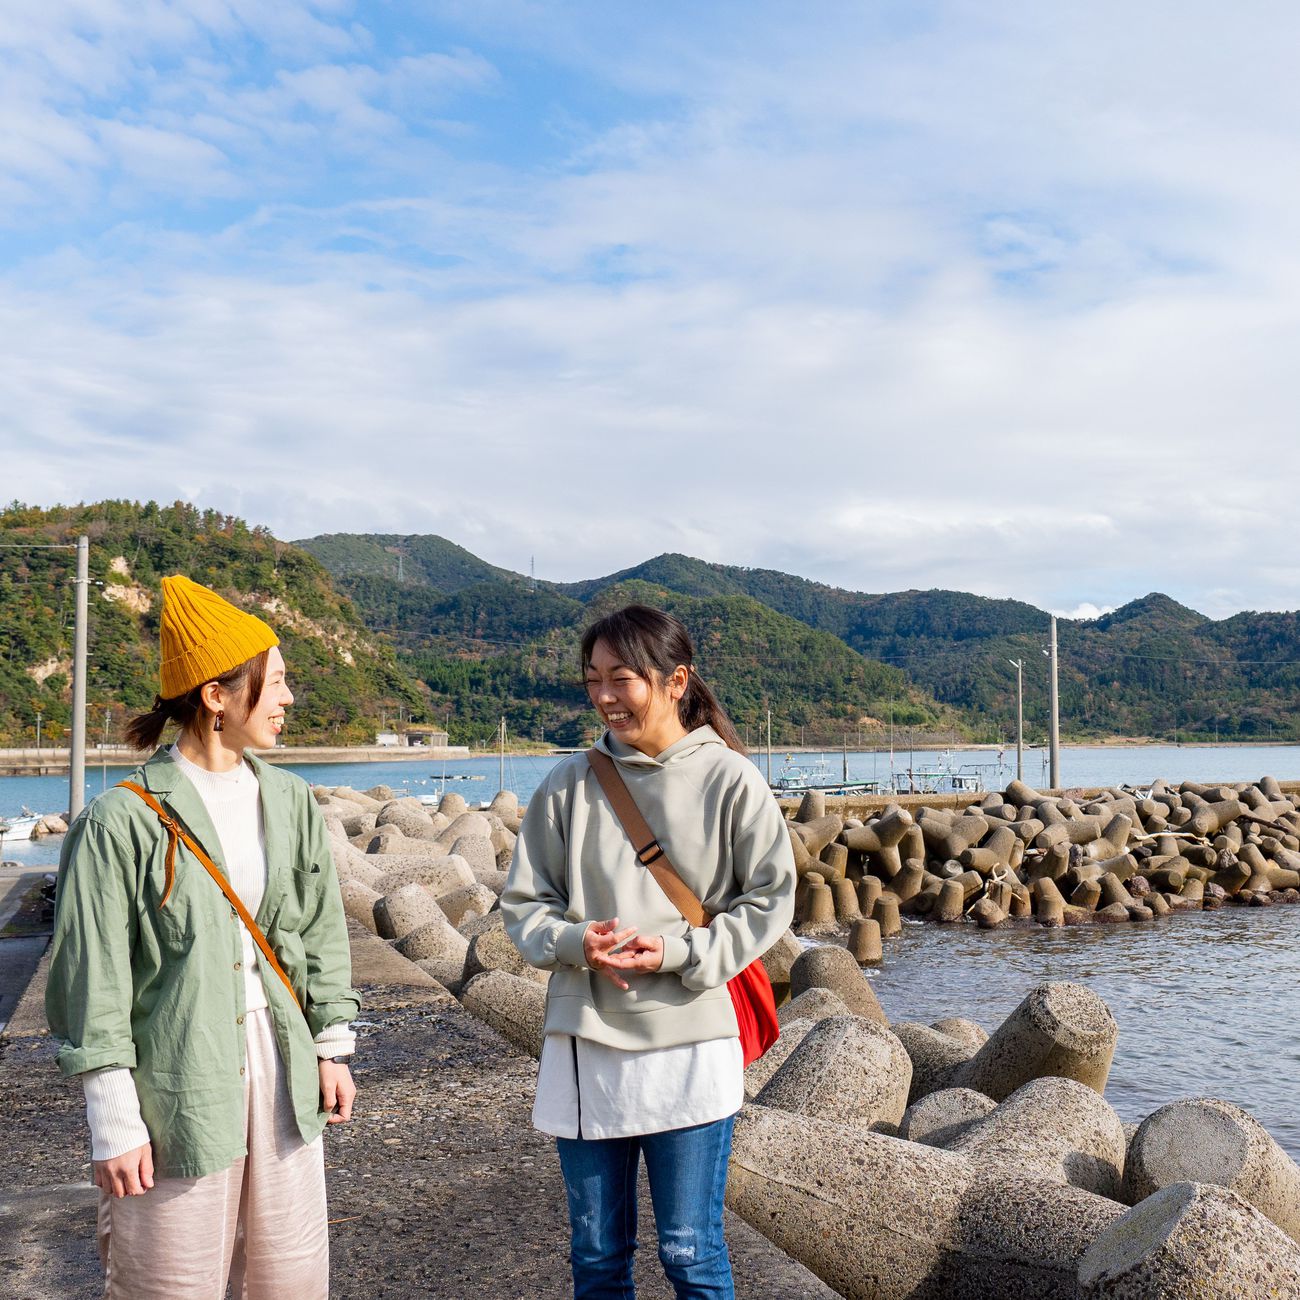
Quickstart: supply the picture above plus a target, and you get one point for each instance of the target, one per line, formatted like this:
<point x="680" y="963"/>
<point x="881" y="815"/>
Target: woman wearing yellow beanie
<point x="200" y="982"/>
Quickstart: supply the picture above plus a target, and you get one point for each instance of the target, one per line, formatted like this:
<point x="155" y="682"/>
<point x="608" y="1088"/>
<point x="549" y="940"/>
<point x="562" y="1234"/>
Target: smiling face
<point x="265" y="719"/>
<point x="640" y="713"/>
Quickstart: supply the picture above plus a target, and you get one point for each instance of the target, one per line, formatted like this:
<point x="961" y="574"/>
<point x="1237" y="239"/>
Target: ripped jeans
<point x="687" y="1170"/>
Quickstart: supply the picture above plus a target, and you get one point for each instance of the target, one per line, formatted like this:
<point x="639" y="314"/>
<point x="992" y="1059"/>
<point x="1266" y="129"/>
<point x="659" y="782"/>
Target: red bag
<point x="755" y="1006"/>
<point x="751" y="991"/>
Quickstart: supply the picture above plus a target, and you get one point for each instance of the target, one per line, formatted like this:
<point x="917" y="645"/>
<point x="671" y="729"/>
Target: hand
<point x="643" y="954"/>
<point x="130" y="1174"/>
<point x="601" y="937"/>
<point x="337" y="1091"/>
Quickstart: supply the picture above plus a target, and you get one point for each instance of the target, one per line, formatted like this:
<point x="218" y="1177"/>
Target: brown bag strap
<point x="649" y="852"/>
<point x="177" y="832"/>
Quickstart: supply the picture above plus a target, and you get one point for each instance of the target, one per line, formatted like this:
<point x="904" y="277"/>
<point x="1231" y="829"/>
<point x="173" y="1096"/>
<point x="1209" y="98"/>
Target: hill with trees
<point x="1153" y="668"/>
<point x="345" y="679"/>
<point x="384" y="626"/>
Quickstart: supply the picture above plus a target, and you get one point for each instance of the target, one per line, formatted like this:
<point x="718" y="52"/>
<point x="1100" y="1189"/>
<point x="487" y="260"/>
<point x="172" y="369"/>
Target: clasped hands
<point x="637" y="953"/>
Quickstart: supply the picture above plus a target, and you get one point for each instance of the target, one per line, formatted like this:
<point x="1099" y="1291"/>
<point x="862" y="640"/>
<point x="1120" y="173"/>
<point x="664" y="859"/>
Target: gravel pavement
<point x="439" y="1187"/>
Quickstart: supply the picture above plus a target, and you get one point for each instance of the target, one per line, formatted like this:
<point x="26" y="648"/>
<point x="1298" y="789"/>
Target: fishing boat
<point x="798" y="778"/>
<point x="945" y="775"/>
<point x="19" y="828"/>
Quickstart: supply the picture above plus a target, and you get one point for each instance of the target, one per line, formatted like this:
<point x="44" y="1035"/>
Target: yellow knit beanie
<point x="204" y="636"/>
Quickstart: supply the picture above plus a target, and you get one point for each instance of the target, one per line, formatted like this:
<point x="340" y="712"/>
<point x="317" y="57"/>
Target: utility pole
<point x="77" y="765"/>
<point x="103" y="753"/>
<point x="501" y="757"/>
<point x="891" y="745"/>
<point x="38" y="738"/>
<point x="1019" y="666"/>
<point x="1055" y="738"/>
<point x="769" y="746"/>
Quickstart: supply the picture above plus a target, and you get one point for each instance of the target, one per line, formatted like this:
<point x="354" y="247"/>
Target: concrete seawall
<point x="54" y="762"/>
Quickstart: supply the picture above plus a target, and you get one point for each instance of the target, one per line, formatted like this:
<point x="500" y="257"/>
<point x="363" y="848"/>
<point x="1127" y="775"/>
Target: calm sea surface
<point x="1207" y="1004"/>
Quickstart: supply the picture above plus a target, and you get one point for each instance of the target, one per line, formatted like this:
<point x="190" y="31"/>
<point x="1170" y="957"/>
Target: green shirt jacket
<point x="160" y="990"/>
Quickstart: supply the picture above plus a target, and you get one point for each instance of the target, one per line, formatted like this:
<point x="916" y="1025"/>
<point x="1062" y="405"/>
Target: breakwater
<point x="999" y="1148"/>
<point x="1106" y="857"/>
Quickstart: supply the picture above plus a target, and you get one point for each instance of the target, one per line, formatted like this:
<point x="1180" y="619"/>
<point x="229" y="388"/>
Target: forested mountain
<point x="345" y="679"/>
<point x="382" y="625"/>
<point x="422" y="560"/>
<point x="1152" y="668"/>
<point x="456" y="641"/>
<point x="754" y="658"/>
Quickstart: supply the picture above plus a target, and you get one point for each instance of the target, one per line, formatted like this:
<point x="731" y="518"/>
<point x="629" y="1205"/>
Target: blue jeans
<point x="687" y="1169"/>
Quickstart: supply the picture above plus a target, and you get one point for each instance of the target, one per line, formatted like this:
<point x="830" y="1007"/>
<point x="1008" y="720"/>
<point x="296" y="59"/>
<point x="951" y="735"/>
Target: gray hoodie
<point x="716" y="819"/>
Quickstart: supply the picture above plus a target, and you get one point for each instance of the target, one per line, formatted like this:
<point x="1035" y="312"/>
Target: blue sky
<point x="992" y="296"/>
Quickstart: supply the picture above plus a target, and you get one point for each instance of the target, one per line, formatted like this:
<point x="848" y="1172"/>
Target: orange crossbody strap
<point x="649" y="852"/>
<point x="177" y="832"/>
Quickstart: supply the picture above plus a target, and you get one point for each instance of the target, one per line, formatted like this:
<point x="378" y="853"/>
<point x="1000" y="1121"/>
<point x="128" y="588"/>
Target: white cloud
<point x="977" y="300"/>
<point x="1085" y="612"/>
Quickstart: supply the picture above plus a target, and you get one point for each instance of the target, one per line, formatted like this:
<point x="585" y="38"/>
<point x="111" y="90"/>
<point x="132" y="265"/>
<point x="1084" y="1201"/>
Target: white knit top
<point x="233" y="803"/>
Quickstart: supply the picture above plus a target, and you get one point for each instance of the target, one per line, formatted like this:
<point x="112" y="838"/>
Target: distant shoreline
<point x="54" y="762"/>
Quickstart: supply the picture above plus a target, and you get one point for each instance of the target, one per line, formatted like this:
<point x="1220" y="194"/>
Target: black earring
<point x="220" y="723"/>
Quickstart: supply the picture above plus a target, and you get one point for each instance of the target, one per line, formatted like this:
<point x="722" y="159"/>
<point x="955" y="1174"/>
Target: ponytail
<point x="145" y="730"/>
<point x="699" y="707"/>
<point x="654" y="644"/>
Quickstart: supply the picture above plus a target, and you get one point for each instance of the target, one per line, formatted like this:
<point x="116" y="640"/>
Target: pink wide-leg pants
<point x="261" y="1223"/>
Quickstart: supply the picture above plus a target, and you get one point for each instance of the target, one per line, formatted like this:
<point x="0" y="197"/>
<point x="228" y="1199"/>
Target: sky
<point x="1000" y="297"/>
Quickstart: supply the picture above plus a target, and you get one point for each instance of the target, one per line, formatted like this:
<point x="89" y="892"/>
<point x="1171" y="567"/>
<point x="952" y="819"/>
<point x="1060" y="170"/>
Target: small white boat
<point x="19" y="828"/>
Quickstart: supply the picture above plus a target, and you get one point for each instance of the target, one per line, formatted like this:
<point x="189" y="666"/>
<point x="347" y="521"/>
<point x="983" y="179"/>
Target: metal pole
<point x="1056" y="717"/>
<point x="77" y="765"/>
<point x="38" y="738"/>
<point x="501" y="759"/>
<point x="891" y="745"/>
<point x="1019" y="666"/>
<point x="769" y="746"/>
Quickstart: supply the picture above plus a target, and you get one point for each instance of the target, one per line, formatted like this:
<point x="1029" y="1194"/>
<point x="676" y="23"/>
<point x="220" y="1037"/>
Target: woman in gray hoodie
<point x="642" y="1055"/>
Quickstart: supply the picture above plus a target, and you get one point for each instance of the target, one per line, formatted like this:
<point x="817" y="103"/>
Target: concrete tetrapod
<point x="848" y="1069"/>
<point x="880" y="1218"/>
<point x="757" y="1073"/>
<point x="941" y="1117"/>
<point x="832" y="967"/>
<point x="777" y="961"/>
<point x="814" y="1004"/>
<point x="413" y="822"/>
<point x="514" y="1007"/>
<point x="963" y="1030"/>
<point x="359" y="902"/>
<point x="935" y="1056"/>
<point x="1052" y="1128"/>
<point x="471" y="900"/>
<point x="404" y="910"/>
<point x="864" y="942"/>
<point x="438" y="875"/>
<point x="1191" y="1241"/>
<point x="375" y="962"/>
<point x="1059" y="1029"/>
<point x="435" y="938"/>
<point x="491" y="949"/>
<point x="1205" y="1140"/>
